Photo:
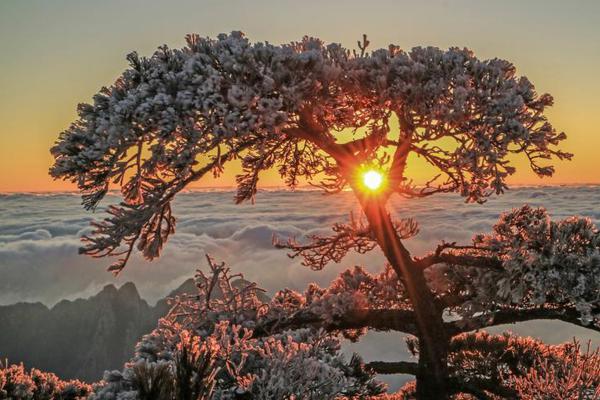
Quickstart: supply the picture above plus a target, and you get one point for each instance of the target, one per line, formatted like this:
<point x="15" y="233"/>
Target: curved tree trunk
<point x="433" y="342"/>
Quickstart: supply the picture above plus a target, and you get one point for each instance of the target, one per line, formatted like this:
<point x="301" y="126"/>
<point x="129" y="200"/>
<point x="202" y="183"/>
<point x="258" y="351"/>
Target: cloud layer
<point x="39" y="237"/>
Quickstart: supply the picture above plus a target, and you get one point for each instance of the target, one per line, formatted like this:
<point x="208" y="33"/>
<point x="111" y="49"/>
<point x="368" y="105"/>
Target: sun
<point x="372" y="179"/>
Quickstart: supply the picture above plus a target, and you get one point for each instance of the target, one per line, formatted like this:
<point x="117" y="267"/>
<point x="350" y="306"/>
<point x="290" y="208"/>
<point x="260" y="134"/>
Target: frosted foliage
<point x="356" y="289"/>
<point x="224" y="295"/>
<point x="181" y="114"/>
<point x="543" y="262"/>
<point x="16" y="383"/>
<point x="525" y="368"/>
<point x="303" y="365"/>
<point x="216" y="323"/>
<point x="573" y="375"/>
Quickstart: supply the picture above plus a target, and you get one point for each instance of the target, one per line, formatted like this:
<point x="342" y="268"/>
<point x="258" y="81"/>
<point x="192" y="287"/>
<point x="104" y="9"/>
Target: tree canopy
<point x="179" y="115"/>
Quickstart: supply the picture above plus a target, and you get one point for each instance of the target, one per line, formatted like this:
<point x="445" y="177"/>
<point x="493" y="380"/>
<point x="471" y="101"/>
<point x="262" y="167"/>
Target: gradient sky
<point x="55" y="54"/>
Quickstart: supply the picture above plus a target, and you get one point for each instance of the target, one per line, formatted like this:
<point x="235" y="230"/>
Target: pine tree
<point x="336" y="118"/>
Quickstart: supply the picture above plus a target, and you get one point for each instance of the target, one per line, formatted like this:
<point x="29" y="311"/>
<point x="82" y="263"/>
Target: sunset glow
<point x="37" y="103"/>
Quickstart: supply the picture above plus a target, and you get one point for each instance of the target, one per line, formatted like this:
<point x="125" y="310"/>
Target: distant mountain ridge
<point x="81" y="338"/>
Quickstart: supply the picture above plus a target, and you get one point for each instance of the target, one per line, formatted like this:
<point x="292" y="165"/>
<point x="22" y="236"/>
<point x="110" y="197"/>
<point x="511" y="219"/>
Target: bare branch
<point x="354" y="236"/>
<point x="394" y="367"/>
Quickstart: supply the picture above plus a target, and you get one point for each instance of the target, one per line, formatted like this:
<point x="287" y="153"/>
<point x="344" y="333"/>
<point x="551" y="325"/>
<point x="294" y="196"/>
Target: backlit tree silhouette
<point x="330" y="116"/>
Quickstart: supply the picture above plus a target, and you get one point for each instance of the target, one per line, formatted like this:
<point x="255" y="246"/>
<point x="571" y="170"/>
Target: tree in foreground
<point x="338" y="118"/>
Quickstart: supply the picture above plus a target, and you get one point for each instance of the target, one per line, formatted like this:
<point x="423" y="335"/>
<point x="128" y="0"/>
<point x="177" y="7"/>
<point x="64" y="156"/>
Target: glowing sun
<point x="372" y="179"/>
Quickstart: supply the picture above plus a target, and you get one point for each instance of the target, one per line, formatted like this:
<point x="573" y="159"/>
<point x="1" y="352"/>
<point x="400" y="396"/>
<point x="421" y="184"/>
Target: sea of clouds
<point x="39" y="238"/>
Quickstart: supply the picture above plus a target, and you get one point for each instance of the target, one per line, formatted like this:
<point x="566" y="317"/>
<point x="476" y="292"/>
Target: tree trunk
<point x="433" y="341"/>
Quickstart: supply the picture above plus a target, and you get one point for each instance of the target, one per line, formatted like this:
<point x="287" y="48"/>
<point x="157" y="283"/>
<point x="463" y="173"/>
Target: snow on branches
<point x="528" y="265"/>
<point x="545" y="261"/>
<point x="181" y="114"/>
<point x="506" y="366"/>
<point x="570" y="373"/>
<point x="353" y="301"/>
<point x="18" y="383"/>
<point x="228" y="341"/>
<point x="207" y="345"/>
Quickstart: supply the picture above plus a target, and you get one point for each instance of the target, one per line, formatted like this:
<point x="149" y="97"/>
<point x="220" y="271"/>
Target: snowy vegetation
<point x="16" y="383"/>
<point x="324" y="114"/>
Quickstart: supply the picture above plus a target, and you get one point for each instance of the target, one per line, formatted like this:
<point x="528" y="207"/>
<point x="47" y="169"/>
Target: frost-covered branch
<point x="527" y="266"/>
<point x="513" y="315"/>
<point x="489" y="366"/>
<point x="460" y="258"/>
<point x="572" y="375"/>
<point x="510" y="367"/>
<point x="354" y="236"/>
<point x="355" y="301"/>
<point x="214" y="341"/>
<point x="147" y="224"/>
<point x="18" y="383"/>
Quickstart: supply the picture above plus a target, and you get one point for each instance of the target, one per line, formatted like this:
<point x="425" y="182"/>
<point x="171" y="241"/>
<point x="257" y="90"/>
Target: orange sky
<point x="57" y="54"/>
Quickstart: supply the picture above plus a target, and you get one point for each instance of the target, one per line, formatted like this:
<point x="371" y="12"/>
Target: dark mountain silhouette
<point x="82" y="338"/>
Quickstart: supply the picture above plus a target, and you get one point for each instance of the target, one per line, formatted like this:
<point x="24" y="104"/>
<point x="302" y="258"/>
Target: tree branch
<point x="464" y="260"/>
<point x="479" y="387"/>
<point x="355" y="235"/>
<point x="365" y="144"/>
<point x="380" y="320"/>
<point x="511" y="316"/>
<point x="394" y="367"/>
<point x="396" y="174"/>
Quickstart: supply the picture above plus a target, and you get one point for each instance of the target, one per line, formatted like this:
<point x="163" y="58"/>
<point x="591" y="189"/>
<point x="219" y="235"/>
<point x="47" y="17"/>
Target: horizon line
<point x="274" y="188"/>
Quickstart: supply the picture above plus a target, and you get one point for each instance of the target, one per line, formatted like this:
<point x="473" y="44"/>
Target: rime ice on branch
<point x="321" y="113"/>
<point x="18" y="383"/>
<point x="251" y="348"/>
